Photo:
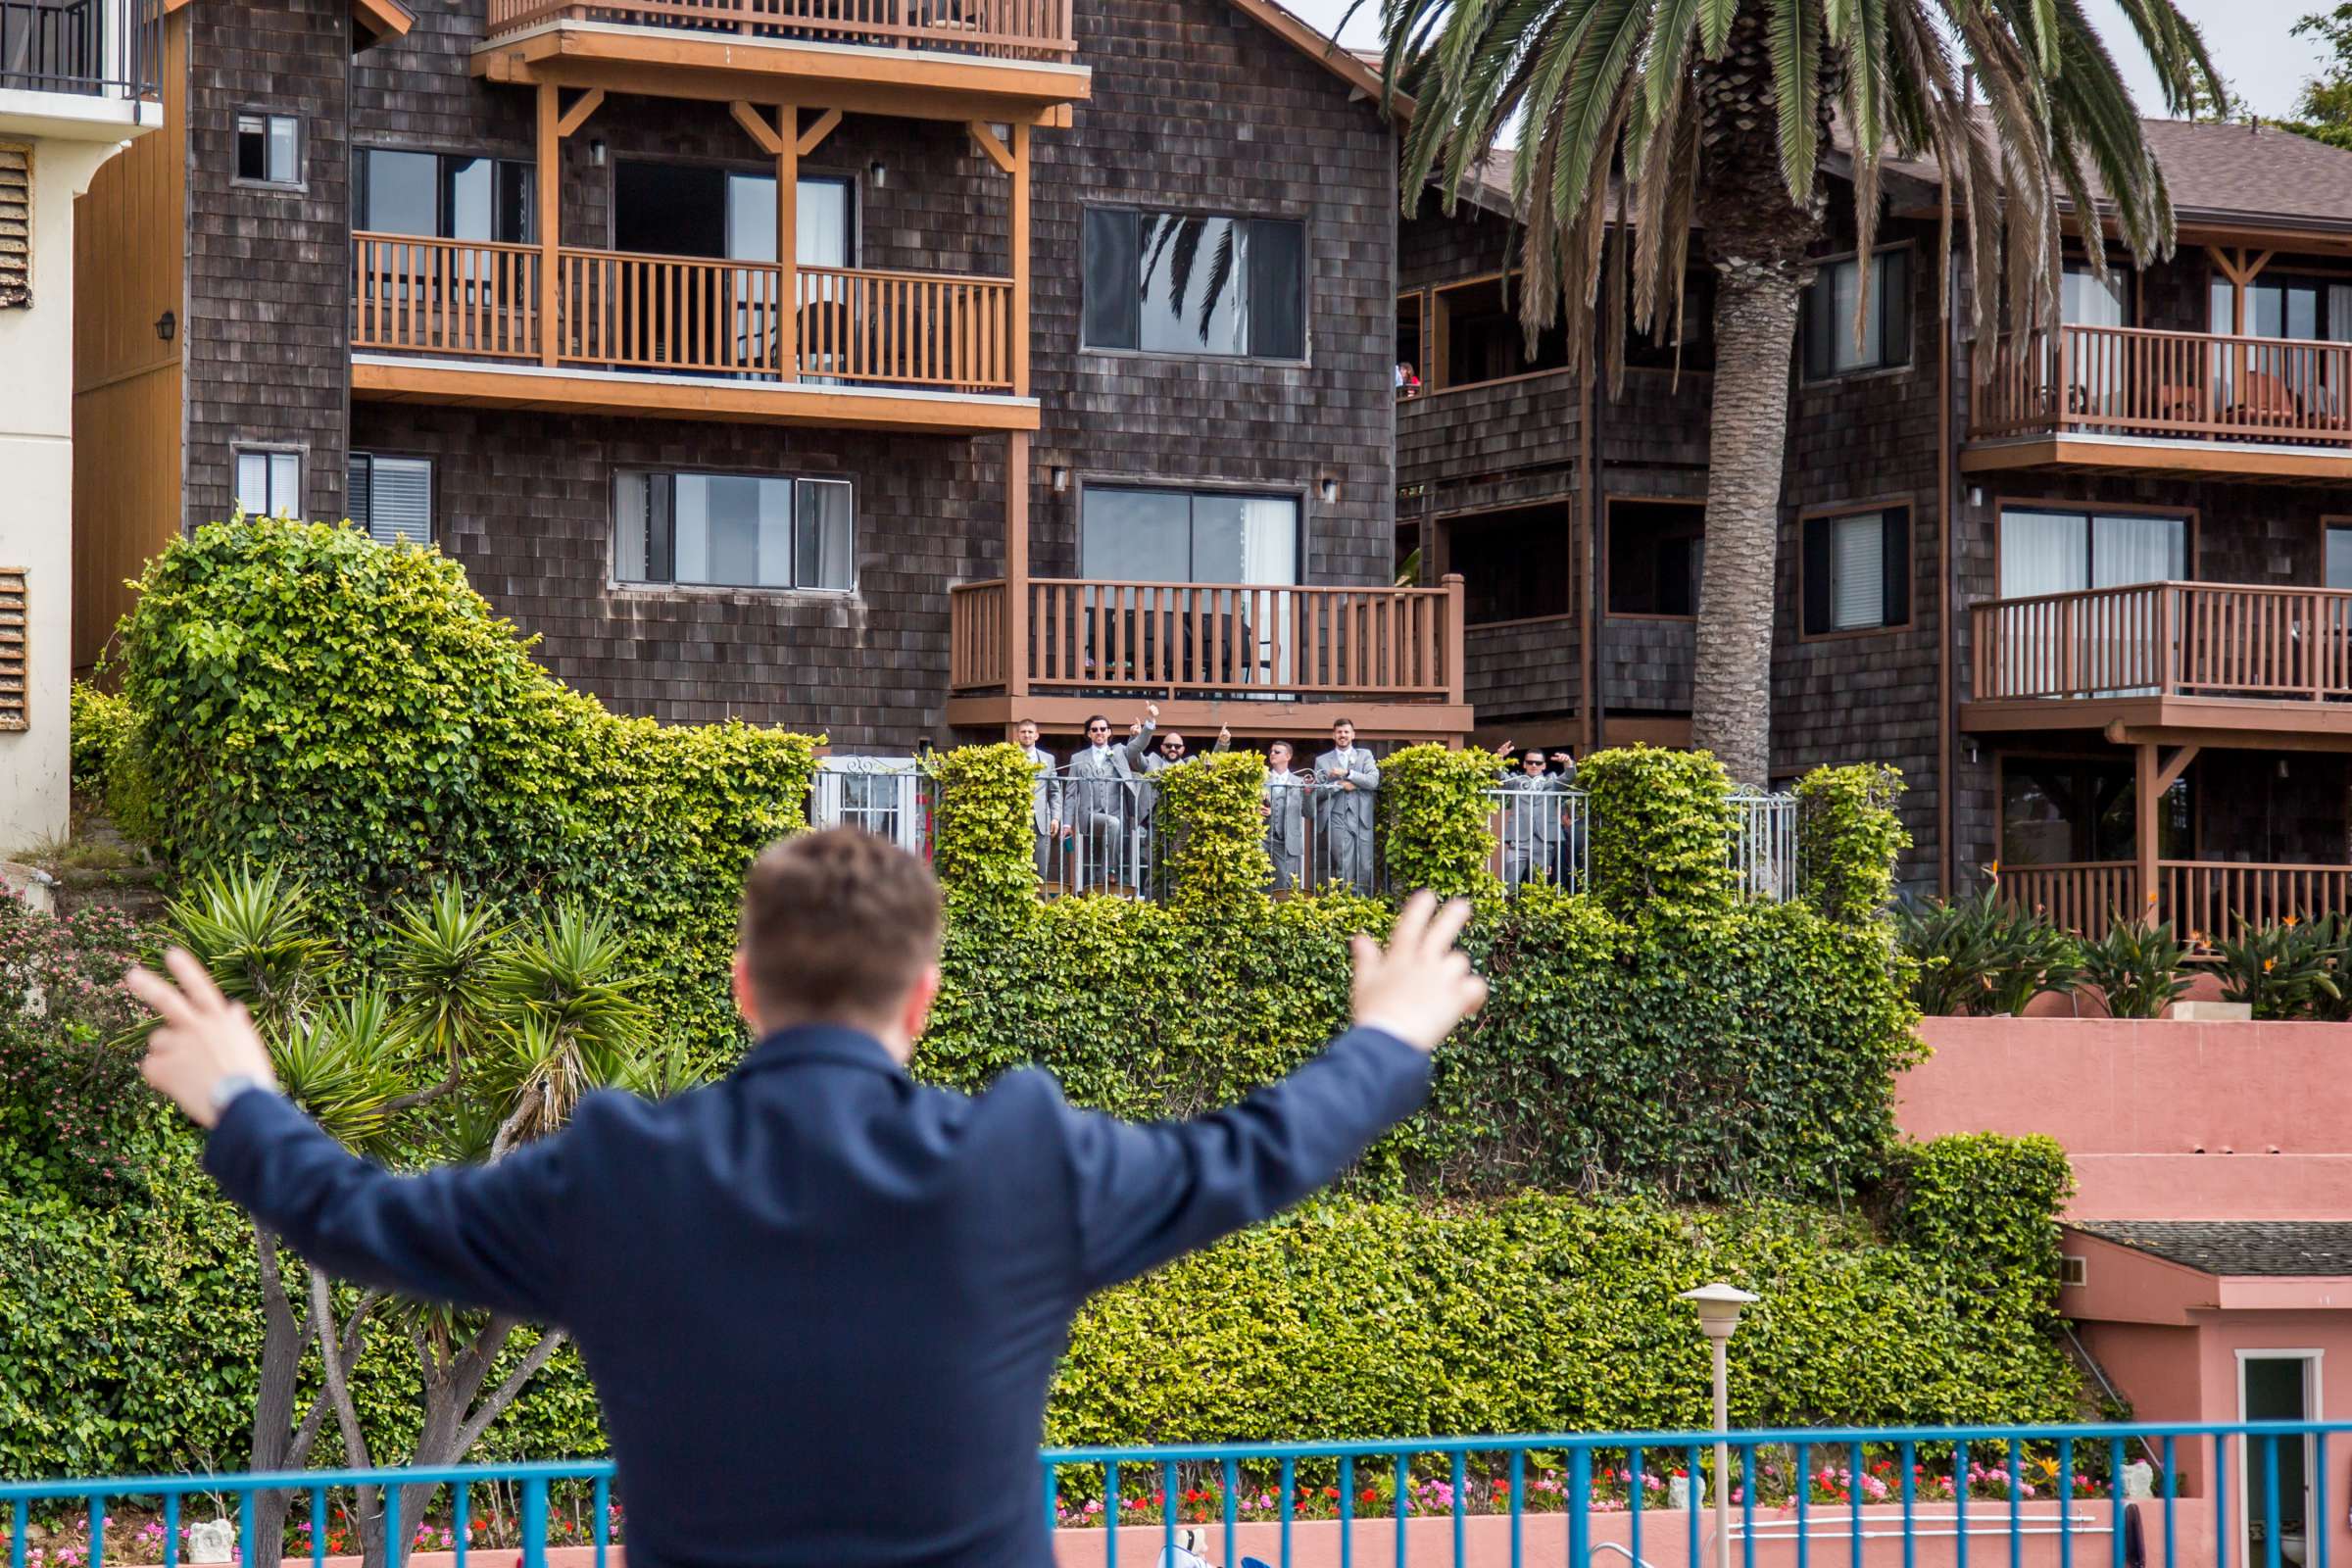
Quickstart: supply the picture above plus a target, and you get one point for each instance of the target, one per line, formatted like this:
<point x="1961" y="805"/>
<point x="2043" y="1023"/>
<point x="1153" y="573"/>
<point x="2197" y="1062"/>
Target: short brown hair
<point x="837" y="924"/>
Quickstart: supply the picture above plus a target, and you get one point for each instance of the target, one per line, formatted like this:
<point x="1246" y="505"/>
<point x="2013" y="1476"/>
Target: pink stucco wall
<point x="2161" y="1120"/>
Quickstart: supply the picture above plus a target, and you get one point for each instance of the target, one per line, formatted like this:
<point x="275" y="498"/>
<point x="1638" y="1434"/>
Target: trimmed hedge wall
<point x="303" y="695"/>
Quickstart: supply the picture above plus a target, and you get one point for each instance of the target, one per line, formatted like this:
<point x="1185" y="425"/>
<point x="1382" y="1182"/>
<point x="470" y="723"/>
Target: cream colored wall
<point x="36" y="491"/>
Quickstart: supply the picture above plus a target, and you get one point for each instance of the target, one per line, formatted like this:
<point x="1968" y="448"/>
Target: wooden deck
<point x="2210" y="901"/>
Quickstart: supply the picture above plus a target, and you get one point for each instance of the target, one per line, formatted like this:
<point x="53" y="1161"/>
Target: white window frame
<point x="432" y="493"/>
<point x="275" y="506"/>
<point x="2315" y="1407"/>
<point x="672" y="585"/>
<point x="270" y="120"/>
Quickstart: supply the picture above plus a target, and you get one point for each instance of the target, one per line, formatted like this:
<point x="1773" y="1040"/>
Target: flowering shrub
<point x="66" y="1110"/>
<point x="133" y="1536"/>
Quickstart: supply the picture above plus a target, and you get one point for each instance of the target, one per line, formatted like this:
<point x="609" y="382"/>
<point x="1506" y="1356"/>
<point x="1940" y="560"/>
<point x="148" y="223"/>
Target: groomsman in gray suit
<point x="1346" y="777"/>
<point x="1045" y="796"/>
<point x="1284" y="807"/>
<point x="1098" y="798"/>
<point x="1532" y="830"/>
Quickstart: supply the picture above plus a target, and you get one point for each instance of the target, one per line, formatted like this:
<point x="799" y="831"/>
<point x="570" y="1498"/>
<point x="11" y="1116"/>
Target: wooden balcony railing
<point x="2172" y="638"/>
<point x="2118" y="380"/>
<point x="1013" y="29"/>
<point x="1210" y="640"/>
<point x="2213" y="900"/>
<point x="684" y="314"/>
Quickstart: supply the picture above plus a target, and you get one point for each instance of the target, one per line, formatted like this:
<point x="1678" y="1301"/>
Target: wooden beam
<point x="754" y="122"/>
<point x="1016" y="563"/>
<point x="2157" y="455"/>
<point x="550" y="182"/>
<point x="815" y="137"/>
<point x="998" y="153"/>
<point x="1020" y="261"/>
<point x="788" y="240"/>
<point x="2143" y="822"/>
<point x="2171" y="772"/>
<point x="577" y="115"/>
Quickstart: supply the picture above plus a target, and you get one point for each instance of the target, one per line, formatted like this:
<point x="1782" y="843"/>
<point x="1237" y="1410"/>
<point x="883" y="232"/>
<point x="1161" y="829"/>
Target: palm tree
<point x="1659" y="115"/>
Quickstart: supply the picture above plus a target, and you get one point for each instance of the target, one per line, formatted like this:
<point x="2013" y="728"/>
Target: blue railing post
<point x="171" y="1528"/>
<point x="534" y="1522"/>
<point x="1461" y="1484"/>
<point x="1347" y="1510"/>
<point x="2115" y="1502"/>
<point x="2270" y="1503"/>
<point x="2320" y="1527"/>
<point x="319" y="1526"/>
<point x="246" y="1532"/>
<point x="1233" y="1487"/>
<point x="1110" y="1513"/>
<point x="1290" y="1496"/>
<point x="1579" y="1507"/>
<point x="1519" y="1510"/>
<point x="97" y="1558"/>
<point x="2066" y="1501"/>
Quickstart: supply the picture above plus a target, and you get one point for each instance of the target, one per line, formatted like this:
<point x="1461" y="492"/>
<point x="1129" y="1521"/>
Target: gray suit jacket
<point x="1045" y="796"/>
<point x="1093" y="787"/>
<point x="1341" y="808"/>
<point x="1533" y="824"/>
<point x="1286" y="815"/>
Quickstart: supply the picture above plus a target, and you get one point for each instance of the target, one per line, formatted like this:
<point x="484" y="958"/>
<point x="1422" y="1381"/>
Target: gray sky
<point x="2248" y="39"/>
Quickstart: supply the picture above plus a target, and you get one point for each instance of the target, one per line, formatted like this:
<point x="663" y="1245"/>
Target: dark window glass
<point x="1409" y="344"/>
<point x="1193" y="283"/>
<point x="1136" y="535"/>
<point x="1657" y="549"/>
<point x="1479" y="332"/>
<point x="2340" y="556"/>
<point x="397" y="195"/>
<point x="732" y="531"/>
<point x="2060" y="811"/>
<point x="1830" y="344"/>
<point x="398" y="191"/>
<point x="1857" y="571"/>
<point x="269" y="148"/>
<point x="392" y="498"/>
<point x="1514" y="564"/>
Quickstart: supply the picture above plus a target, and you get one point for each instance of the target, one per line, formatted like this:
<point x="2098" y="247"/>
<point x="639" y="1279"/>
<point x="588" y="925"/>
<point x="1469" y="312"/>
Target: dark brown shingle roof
<point x="2279" y="1249"/>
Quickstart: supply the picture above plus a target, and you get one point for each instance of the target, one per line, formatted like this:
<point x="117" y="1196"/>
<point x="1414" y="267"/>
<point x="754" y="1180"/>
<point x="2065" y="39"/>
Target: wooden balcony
<point x="2129" y="399"/>
<point x="1265" y="660"/>
<point x="2168" y="661"/>
<point x="2213" y="900"/>
<point x="1003" y="60"/>
<point x="467" y="322"/>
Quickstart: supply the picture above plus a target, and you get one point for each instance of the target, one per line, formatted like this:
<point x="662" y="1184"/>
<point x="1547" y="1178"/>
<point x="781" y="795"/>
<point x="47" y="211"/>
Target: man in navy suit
<point x="823" y="1303"/>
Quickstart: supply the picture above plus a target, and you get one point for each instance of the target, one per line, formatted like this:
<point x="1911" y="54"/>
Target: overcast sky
<point x="2248" y="39"/>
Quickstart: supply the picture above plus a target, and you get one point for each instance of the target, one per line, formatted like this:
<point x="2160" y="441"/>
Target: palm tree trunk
<point x="1730" y="693"/>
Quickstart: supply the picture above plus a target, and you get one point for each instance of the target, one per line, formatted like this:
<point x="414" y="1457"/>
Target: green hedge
<point x="304" y="697"/>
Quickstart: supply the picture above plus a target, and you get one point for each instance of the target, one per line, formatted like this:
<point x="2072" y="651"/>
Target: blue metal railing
<point x="1647" y="1499"/>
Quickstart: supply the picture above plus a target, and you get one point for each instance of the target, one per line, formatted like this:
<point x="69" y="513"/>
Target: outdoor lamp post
<point x="1719" y="1307"/>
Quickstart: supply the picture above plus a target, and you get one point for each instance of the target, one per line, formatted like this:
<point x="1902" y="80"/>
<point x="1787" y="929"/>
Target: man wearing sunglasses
<point x="1099" y="800"/>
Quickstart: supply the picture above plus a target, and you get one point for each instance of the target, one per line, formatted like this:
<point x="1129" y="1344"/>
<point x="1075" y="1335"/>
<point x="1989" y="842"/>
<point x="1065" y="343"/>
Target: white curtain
<point x="1858" y="559"/>
<point x="2044" y="553"/>
<point x="1270" y="555"/>
<point x="823" y="538"/>
<point x="400" y="500"/>
<point x="2127" y="550"/>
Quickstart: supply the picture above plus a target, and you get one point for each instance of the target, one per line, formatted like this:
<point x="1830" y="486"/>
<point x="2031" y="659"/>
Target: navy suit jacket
<point x="823" y="1303"/>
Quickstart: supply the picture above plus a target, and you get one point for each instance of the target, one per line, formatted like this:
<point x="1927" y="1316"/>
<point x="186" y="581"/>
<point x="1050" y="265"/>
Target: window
<point x="1188" y="284"/>
<point x="269" y="484"/>
<point x="2067" y="811"/>
<point x="392" y="498"/>
<point x="1857" y="571"/>
<point x="15" y="224"/>
<point x="2085" y="301"/>
<point x="268" y="149"/>
<point x="2050" y="551"/>
<point x="1514" y="564"/>
<point x="449" y="195"/>
<point x="1132" y="535"/>
<point x="2074" y="1268"/>
<point x="1657" y="549"/>
<point x="1831" y="348"/>
<point x="2339" y="555"/>
<point x="666" y="209"/>
<point x="732" y="531"/>
<point x="1479" y="337"/>
<point x="1409" y="367"/>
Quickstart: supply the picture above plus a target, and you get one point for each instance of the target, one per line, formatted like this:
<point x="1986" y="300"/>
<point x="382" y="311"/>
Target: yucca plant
<point x="1980" y="958"/>
<point x="257" y="934"/>
<point x="2141" y="968"/>
<point x="2282" y="971"/>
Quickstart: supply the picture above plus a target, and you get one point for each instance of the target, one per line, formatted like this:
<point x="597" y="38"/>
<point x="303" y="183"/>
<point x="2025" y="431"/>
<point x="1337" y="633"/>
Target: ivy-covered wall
<point x="299" y="696"/>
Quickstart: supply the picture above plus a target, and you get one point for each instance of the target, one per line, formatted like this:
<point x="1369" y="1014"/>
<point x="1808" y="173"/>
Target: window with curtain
<point x="445" y="195"/>
<point x="2085" y="301"/>
<point x="392" y="498"/>
<point x="2282" y="378"/>
<point x="1857" y="571"/>
<point x="269" y="484"/>
<point x="732" y="531"/>
<point x="2058" y="551"/>
<point x="1195" y="283"/>
<point x="1831" y="347"/>
<point x="2339" y="555"/>
<point x="1136" y="535"/>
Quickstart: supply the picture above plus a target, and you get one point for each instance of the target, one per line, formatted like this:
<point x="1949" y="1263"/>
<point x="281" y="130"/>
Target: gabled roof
<point x="2235" y="1249"/>
<point x="371" y="21"/>
<point x="1352" y="65"/>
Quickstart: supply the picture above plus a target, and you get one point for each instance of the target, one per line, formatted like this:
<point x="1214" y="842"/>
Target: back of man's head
<point x="837" y="927"/>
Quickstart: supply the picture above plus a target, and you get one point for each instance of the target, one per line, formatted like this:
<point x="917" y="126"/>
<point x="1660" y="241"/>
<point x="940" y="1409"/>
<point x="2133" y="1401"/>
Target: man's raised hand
<point x="203" y="1039"/>
<point x="1421" y="985"/>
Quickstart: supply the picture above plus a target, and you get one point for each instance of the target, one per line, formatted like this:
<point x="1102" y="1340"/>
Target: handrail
<point x="2170" y="384"/>
<point x="2266" y="641"/>
<point x="1021" y="29"/>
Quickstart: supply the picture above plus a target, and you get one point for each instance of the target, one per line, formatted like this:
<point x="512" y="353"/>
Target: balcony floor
<point x="2276" y="462"/>
<point x="682" y="63"/>
<point x="1199" y="717"/>
<point x="568" y="389"/>
<point x="77" y="116"/>
<point x="2258" y="724"/>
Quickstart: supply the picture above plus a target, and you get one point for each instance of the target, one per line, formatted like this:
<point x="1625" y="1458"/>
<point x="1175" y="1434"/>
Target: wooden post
<point x="2144" y="791"/>
<point x="1453" y="644"/>
<point x="549" y="177"/>
<point x="1017" y="564"/>
<point x="788" y="242"/>
<point x="1020" y="260"/>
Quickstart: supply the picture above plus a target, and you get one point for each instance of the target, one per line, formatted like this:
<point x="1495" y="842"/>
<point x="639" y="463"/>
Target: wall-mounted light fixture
<point x="878" y="173"/>
<point x="1976" y="494"/>
<point x="596" y="152"/>
<point x="1062" y="479"/>
<point x="1330" y="488"/>
<point x="166" y="324"/>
